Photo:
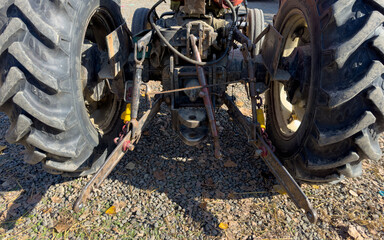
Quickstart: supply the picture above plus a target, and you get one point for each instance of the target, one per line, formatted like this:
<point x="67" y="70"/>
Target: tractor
<point x="74" y="77"/>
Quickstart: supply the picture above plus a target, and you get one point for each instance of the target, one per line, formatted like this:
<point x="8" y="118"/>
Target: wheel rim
<point x="100" y="103"/>
<point x="290" y="116"/>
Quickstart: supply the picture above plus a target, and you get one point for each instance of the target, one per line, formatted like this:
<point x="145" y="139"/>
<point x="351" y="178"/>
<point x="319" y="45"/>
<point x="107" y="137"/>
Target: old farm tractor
<point x="73" y="74"/>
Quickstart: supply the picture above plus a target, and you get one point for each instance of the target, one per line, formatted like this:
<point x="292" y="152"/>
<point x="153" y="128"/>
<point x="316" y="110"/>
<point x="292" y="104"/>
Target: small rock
<point x="230" y="164"/>
<point x="6" y="183"/>
<point x="203" y="206"/>
<point x="56" y="199"/>
<point x="147" y="133"/>
<point x="354" y="233"/>
<point x="63" y="225"/>
<point x="219" y="194"/>
<point x="183" y="191"/>
<point x="353" y="193"/>
<point x="159" y="175"/>
<point x="2" y="148"/>
<point x="130" y="166"/>
<point x="60" y="190"/>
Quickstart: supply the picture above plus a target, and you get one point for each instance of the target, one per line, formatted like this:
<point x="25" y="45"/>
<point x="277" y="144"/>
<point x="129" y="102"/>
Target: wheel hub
<point x="290" y="97"/>
<point x="101" y="104"/>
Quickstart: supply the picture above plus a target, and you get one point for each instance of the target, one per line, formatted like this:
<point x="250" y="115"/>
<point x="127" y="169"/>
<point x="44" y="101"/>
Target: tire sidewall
<point x="139" y="20"/>
<point x="288" y="148"/>
<point x="85" y="11"/>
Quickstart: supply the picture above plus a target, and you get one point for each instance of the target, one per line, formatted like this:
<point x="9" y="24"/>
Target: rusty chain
<point x="122" y="134"/>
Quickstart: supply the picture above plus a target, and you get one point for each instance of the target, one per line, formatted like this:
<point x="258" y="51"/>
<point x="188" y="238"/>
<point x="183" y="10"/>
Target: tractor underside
<point x="188" y="50"/>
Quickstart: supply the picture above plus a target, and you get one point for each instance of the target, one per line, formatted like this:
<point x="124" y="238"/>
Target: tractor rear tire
<point x="344" y="110"/>
<point x="41" y="88"/>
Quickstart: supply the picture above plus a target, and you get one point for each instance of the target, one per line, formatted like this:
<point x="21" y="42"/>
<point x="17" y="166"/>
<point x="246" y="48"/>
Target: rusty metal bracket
<point x="286" y="180"/>
<point x="118" y="43"/>
<point x="117" y="154"/>
<point x="272" y="49"/>
<point x="143" y="44"/>
<point x="273" y="163"/>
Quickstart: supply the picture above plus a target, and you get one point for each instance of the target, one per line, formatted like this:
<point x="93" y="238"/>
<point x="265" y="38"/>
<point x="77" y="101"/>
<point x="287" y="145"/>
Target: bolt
<point x="131" y="147"/>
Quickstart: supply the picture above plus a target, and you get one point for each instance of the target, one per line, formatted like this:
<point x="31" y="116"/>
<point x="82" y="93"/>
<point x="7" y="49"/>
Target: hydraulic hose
<point x="187" y="59"/>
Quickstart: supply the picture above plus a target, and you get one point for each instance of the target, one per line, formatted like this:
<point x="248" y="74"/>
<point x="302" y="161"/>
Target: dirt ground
<point x="167" y="190"/>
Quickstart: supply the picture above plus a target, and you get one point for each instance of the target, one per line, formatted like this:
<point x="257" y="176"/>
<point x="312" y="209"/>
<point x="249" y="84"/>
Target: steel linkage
<point x="257" y="136"/>
<point x="130" y="134"/>
<point x="264" y="148"/>
<point x="207" y="99"/>
<point x="125" y="144"/>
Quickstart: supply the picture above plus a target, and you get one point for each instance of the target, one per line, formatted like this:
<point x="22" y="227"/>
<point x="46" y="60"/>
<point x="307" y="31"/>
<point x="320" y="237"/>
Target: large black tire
<point x="41" y="49"/>
<point x="344" y="111"/>
<point x="140" y="20"/>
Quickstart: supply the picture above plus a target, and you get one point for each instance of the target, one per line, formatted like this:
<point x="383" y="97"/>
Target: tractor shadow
<point x="187" y="175"/>
<point x="21" y="190"/>
<point x="22" y="186"/>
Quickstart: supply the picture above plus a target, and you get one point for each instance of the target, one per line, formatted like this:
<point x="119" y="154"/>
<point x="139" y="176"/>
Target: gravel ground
<point x="167" y="190"/>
